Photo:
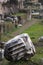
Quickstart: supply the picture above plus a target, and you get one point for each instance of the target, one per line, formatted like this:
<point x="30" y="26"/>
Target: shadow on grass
<point x="21" y="62"/>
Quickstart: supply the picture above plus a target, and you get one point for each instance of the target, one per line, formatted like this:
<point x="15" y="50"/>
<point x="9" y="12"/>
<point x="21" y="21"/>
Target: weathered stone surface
<point x="19" y="47"/>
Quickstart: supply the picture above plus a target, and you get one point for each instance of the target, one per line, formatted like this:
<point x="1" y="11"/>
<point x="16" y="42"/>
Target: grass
<point x="38" y="55"/>
<point x="23" y="15"/>
<point x="8" y="34"/>
<point x="19" y="14"/>
<point x="36" y="59"/>
<point x="35" y="31"/>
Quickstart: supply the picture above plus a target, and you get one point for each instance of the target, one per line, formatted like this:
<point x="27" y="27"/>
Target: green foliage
<point x="27" y="3"/>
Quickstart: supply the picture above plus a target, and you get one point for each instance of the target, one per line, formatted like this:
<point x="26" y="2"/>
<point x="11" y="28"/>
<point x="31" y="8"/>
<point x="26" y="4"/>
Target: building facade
<point x="34" y="0"/>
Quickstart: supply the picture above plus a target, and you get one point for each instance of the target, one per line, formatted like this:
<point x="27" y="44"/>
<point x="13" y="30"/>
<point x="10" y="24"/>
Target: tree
<point x="14" y="2"/>
<point x="28" y="3"/>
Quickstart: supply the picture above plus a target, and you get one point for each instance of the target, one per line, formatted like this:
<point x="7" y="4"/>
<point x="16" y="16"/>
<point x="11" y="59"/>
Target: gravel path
<point x="24" y="27"/>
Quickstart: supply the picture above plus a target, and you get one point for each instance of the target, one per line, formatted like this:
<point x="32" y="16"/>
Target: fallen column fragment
<point x="19" y="47"/>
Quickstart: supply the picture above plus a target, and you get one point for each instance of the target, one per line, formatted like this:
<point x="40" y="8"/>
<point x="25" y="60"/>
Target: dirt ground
<point x="24" y="27"/>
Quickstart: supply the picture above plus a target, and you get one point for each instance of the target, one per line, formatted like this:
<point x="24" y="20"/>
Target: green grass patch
<point x="35" y="31"/>
<point x="38" y="55"/>
<point x="19" y="14"/>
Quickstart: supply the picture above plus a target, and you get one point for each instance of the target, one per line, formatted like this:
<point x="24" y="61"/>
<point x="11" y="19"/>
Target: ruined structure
<point x="19" y="47"/>
<point x="34" y="0"/>
<point x="20" y="4"/>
